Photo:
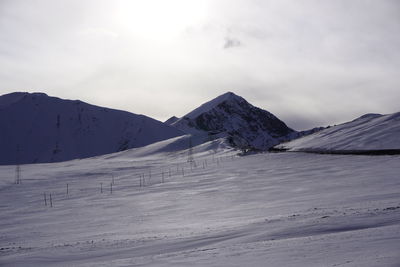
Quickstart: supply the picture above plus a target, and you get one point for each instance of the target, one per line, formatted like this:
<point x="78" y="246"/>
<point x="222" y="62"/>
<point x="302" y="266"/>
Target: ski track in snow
<point x="273" y="209"/>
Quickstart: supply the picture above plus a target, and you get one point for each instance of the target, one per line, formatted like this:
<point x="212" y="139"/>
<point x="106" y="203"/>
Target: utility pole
<point x="17" y="174"/>
<point x="17" y="169"/>
<point x="190" y="151"/>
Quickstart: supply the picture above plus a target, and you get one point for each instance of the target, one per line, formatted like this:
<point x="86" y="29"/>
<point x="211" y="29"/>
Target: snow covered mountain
<point x="36" y="128"/>
<point x="171" y="120"/>
<point x="368" y="134"/>
<point x="231" y="116"/>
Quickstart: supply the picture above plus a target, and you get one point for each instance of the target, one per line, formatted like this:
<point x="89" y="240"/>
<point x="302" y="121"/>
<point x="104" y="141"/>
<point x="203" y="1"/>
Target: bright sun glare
<point x="160" y="19"/>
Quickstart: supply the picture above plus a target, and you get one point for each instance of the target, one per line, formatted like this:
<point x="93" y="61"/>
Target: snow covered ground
<point x="368" y="133"/>
<point x="273" y="209"/>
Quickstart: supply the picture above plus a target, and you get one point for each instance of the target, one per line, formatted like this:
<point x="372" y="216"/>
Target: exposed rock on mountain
<point x="231" y="116"/>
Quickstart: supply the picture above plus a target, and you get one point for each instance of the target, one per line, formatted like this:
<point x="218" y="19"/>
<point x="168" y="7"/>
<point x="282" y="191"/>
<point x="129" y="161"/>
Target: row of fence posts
<point x="48" y="199"/>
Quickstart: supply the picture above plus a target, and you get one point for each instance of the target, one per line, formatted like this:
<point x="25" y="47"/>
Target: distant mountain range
<point x="36" y="128"/>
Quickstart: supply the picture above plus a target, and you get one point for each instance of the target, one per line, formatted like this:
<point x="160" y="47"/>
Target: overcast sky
<point x="310" y="62"/>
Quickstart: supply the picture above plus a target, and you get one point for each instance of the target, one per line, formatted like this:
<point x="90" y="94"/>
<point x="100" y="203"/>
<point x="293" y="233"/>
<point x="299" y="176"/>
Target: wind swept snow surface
<point x="276" y="209"/>
<point x="369" y="133"/>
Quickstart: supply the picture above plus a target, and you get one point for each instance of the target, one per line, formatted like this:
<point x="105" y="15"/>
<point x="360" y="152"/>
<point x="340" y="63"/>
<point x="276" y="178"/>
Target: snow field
<point x="274" y="209"/>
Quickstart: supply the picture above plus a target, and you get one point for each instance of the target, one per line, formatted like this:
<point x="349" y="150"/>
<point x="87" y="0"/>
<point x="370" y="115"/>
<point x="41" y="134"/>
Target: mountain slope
<point x="38" y="128"/>
<point x="368" y="133"/>
<point x="171" y="120"/>
<point x="231" y="116"/>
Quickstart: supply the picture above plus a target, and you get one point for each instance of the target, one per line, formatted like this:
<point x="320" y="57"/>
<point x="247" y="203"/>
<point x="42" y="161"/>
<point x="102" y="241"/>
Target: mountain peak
<point x="22" y="94"/>
<point x="171" y="120"/>
<point x="231" y="116"/>
<point x="227" y="97"/>
<point x="11" y="98"/>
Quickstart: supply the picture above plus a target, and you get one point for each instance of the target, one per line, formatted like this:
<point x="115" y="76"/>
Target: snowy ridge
<point x="208" y="106"/>
<point x="9" y="99"/>
<point x="232" y="117"/>
<point x="171" y="120"/>
<point x="371" y="132"/>
<point x="176" y="146"/>
<point x="37" y="128"/>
